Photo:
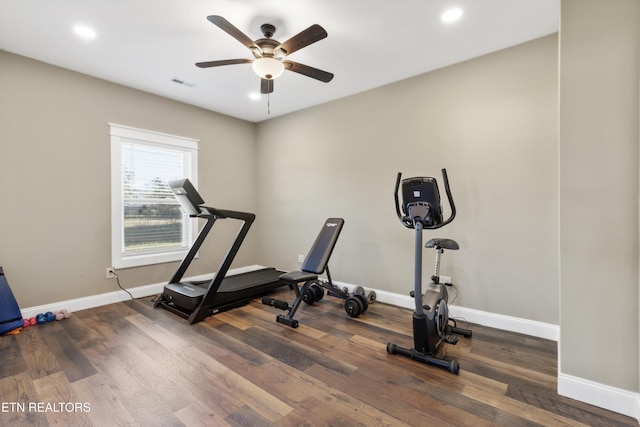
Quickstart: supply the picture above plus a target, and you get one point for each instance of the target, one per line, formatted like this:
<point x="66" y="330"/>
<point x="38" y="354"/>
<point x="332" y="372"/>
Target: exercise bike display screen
<point x="422" y="192"/>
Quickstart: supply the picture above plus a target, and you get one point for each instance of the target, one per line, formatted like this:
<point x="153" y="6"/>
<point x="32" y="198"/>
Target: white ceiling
<point x="145" y="44"/>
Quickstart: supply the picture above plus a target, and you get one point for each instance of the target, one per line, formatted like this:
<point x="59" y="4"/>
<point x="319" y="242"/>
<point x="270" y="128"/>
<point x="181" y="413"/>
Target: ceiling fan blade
<point x="302" y="39"/>
<point x="208" y="64"/>
<point x="266" y="86"/>
<point x="308" y="71"/>
<point x="228" y="27"/>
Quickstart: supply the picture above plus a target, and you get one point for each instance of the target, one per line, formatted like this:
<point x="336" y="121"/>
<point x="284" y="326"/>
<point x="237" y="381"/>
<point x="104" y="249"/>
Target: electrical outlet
<point x="445" y="280"/>
<point x="111" y="272"/>
<point x="300" y="258"/>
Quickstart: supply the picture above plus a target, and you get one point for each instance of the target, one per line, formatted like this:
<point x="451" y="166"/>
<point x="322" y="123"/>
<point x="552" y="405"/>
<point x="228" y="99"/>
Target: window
<point x="147" y="225"/>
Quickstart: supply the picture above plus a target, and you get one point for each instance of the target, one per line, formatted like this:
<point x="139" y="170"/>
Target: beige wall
<point x="599" y="119"/>
<point x="55" y="179"/>
<point x="491" y="121"/>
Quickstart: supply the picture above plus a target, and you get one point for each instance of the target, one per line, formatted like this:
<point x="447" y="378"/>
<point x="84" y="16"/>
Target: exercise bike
<point x="421" y="209"/>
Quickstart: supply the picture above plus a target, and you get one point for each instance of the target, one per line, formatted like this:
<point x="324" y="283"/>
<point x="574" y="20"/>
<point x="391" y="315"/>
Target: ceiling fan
<point x="269" y="54"/>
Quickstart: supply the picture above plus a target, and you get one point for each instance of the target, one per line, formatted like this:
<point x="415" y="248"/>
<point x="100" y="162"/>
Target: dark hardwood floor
<point x="129" y="364"/>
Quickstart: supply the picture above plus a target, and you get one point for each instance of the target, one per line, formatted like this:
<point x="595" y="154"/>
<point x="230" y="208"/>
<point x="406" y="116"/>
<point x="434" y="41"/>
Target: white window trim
<point x="120" y="134"/>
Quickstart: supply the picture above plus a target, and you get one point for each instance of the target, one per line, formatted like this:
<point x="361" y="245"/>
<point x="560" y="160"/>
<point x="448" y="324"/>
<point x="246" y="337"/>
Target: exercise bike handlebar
<point x="447" y="189"/>
<point x="407" y="222"/>
<point x="403" y="219"/>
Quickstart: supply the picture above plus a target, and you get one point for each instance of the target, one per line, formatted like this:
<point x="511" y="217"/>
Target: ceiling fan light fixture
<point x="268" y="68"/>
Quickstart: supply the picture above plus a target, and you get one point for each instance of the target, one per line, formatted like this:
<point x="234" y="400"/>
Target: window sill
<point x="148" y="259"/>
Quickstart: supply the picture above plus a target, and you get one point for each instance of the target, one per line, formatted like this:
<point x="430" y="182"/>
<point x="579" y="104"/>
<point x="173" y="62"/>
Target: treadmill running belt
<point x="235" y="290"/>
<point x="246" y="282"/>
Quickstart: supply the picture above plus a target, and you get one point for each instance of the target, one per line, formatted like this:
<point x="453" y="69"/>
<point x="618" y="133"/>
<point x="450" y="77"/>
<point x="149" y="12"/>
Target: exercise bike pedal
<point x="451" y="339"/>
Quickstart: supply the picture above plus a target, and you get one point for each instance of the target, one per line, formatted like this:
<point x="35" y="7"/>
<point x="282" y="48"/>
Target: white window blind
<point x="147" y="223"/>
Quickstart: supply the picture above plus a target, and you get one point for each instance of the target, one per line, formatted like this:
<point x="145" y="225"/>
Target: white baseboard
<point x="596" y="394"/>
<point x="498" y="321"/>
<point x="513" y="324"/>
<point x="118" y="296"/>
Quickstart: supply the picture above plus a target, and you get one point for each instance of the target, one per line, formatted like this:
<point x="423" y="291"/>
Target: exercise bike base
<point x="451" y="365"/>
<point x="464" y="332"/>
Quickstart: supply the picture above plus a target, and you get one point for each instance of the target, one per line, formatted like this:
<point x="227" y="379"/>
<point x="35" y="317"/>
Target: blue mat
<point x="10" y="316"/>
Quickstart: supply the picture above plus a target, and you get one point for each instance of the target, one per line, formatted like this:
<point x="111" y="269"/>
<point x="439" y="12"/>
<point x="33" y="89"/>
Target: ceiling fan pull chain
<point x="269" y="104"/>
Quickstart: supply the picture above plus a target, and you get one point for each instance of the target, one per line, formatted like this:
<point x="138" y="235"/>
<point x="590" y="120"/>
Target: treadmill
<point x="197" y="300"/>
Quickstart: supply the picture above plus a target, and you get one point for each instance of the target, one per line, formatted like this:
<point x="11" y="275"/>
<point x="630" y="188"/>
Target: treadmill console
<point x="187" y="195"/>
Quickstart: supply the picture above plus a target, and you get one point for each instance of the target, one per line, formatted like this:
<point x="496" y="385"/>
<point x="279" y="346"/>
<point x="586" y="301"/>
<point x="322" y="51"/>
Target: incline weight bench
<point x="315" y="263"/>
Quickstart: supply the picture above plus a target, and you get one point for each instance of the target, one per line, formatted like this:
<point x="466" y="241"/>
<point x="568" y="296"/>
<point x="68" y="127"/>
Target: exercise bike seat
<point x="450" y="244"/>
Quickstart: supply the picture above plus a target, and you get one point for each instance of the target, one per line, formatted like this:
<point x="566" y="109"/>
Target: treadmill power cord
<point x="115" y="274"/>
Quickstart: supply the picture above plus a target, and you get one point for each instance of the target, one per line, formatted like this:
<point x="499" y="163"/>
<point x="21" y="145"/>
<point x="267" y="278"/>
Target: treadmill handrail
<point x="211" y="215"/>
<point x="209" y="299"/>
<point x="225" y="213"/>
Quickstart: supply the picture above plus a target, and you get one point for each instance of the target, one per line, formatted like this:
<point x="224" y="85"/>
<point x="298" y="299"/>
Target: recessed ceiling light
<point x="254" y="95"/>
<point x="84" y="32"/>
<point x="451" y="15"/>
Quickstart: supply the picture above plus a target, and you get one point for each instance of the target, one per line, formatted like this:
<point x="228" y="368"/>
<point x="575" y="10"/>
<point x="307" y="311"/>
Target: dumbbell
<point x="44" y="318"/>
<point x="369" y="295"/>
<point x="356" y="305"/>
<point x="313" y="293"/>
